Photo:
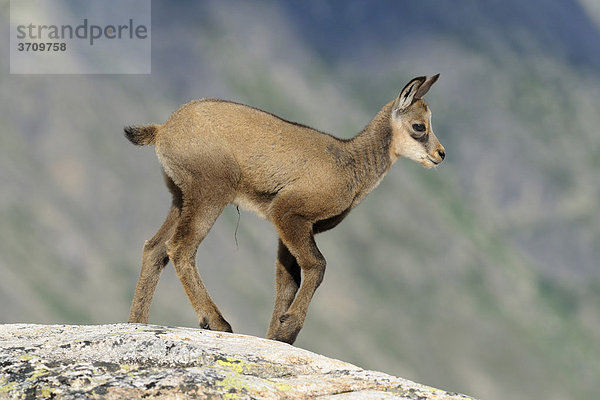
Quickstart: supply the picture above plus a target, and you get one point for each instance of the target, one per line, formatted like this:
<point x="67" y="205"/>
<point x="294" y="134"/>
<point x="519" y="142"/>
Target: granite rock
<point x="134" y="361"/>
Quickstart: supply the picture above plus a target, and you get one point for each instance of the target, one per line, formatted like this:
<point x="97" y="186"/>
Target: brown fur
<point x="215" y="152"/>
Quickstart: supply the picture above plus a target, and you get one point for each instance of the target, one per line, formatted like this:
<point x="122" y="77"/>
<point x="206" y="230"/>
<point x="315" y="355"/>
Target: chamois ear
<point x="424" y="88"/>
<point x="407" y="95"/>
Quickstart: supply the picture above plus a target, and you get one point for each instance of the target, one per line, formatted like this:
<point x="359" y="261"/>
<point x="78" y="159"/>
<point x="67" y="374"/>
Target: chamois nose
<point x="442" y="154"/>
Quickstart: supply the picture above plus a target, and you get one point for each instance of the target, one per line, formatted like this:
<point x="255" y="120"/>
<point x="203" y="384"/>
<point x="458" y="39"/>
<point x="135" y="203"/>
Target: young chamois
<point x="215" y="152"/>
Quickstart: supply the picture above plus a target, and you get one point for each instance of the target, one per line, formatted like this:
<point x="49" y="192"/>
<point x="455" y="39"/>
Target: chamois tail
<point x="141" y="135"/>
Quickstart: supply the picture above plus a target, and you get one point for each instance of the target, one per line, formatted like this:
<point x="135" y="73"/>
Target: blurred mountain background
<point x="480" y="276"/>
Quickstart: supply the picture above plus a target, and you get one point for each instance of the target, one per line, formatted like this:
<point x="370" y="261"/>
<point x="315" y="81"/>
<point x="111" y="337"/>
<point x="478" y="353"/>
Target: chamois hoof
<point x="137" y="318"/>
<point x="226" y="328"/>
<point x="204" y="323"/>
<point x="222" y="325"/>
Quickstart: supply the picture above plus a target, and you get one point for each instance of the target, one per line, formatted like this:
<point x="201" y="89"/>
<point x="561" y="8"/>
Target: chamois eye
<point x="419" y="127"/>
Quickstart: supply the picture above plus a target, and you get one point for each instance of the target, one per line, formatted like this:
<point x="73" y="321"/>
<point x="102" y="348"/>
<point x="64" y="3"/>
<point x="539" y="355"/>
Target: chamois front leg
<point x="287" y="281"/>
<point x="296" y="234"/>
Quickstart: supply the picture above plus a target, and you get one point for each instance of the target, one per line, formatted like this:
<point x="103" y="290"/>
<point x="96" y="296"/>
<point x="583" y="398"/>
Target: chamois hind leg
<point x="154" y="259"/>
<point x="199" y="212"/>
<point x="287" y="281"/>
<point x="296" y="234"/>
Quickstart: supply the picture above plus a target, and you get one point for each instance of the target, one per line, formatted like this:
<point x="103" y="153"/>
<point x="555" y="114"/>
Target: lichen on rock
<point x="131" y="360"/>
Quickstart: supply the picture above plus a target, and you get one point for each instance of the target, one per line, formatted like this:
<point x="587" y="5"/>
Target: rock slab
<point x="147" y="361"/>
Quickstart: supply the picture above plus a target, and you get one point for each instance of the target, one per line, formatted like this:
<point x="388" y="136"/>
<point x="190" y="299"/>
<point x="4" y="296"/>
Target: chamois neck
<point x="370" y="150"/>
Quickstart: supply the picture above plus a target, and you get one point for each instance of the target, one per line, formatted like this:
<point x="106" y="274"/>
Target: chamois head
<point x="413" y="135"/>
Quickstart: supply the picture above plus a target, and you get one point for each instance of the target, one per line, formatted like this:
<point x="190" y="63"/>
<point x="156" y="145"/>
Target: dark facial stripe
<point x="421" y="139"/>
